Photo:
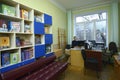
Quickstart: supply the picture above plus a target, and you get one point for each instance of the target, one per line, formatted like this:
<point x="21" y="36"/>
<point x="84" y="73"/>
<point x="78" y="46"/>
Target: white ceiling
<point x="74" y="4"/>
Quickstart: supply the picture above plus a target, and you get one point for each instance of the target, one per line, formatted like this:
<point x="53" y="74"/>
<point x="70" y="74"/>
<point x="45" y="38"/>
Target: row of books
<point x="9" y="58"/>
<point x="11" y="26"/>
<point x="22" y="42"/>
<point x="26" y="54"/>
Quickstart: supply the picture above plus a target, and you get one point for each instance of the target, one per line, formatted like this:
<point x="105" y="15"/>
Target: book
<point x="3" y="25"/>
<point x="37" y="39"/>
<point x="27" y="28"/>
<point x="13" y="26"/>
<point x="22" y="55"/>
<point x="14" y="58"/>
<point x="4" y="42"/>
<point x="17" y="41"/>
<point x="5" y="56"/>
<point x="24" y="14"/>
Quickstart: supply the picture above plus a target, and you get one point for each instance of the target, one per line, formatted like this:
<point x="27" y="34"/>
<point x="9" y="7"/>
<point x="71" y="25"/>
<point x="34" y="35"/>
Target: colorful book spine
<point x="5" y="58"/>
<point x="14" y="58"/>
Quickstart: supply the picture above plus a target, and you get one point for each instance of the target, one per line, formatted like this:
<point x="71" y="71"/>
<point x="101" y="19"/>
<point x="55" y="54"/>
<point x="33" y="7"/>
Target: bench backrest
<point x="26" y="69"/>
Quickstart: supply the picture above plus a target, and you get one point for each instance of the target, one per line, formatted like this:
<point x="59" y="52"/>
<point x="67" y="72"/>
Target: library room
<point x="59" y="40"/>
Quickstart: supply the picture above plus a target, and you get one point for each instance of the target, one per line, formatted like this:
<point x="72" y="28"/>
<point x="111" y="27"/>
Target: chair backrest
<point x="95" y="54"/>
<point x="83" y="54"/>
<point x="113" y="47"/>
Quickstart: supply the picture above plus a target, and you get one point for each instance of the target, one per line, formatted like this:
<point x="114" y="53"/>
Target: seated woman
<point x="74" y="42"/>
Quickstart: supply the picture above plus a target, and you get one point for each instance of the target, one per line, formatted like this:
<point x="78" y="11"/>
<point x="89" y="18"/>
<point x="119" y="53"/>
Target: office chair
<point x="92" y="60"/>
<point x="112" y="49"/>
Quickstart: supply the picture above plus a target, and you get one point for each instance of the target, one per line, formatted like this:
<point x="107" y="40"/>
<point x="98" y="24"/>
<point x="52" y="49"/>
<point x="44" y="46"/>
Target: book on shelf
<point x="13" y="26"/>
<point x="5" y="57"/>
<point x="38" y="18"/>
<point x="17" y="41"/>
<point x="37" y="39"/>
<point x="27" y="54"/>
<point x="27" y="28"/>
<point x="7" y="10"/>
<point x="3" y="25"/>
<point x="14" y="58"/>
<point x="4" y="42"/>
<point x="24" y="14"/>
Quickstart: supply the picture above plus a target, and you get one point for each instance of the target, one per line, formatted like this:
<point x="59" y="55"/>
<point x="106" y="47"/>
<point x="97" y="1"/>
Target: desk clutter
<point x="88" y="44"/>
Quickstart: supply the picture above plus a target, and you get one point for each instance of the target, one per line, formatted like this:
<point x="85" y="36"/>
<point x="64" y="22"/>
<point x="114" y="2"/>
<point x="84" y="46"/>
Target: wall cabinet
<point x="25" y="34"/>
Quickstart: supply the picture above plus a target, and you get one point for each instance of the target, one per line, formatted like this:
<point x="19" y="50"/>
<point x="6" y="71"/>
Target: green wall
<point x="119" y="20"/>
<point x="59" y="16"/>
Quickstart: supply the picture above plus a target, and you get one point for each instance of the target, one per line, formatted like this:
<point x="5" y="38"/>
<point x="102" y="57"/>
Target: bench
<point x="42" y="69"/>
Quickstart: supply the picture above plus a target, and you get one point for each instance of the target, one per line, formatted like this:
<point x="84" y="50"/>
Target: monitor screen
<point x="80" y="43"/>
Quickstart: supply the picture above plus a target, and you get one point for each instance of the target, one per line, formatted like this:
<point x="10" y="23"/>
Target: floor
<point x="77" y="73"/>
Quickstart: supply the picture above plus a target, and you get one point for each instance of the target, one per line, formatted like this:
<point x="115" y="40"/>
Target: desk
<point x="117" y="67"/>
<point x="76" y="58"/>
<point x="58" y="52"/>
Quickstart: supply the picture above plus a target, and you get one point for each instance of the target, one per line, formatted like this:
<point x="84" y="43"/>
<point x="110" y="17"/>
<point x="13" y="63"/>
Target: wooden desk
<point x="58" y="52"/>
<point x="76" y="58"/>
<point x="117" y="67"/>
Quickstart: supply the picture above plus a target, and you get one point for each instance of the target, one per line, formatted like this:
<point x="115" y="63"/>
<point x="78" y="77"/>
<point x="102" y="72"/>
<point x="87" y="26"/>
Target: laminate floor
<point x="77" y="73"/>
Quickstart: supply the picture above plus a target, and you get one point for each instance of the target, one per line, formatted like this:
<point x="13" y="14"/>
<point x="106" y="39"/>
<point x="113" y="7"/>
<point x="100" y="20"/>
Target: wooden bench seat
<point x="41" y="69"/>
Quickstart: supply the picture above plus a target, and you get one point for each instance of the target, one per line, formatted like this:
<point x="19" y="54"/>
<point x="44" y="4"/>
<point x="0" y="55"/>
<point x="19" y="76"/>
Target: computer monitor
<point x="81" y="43"/>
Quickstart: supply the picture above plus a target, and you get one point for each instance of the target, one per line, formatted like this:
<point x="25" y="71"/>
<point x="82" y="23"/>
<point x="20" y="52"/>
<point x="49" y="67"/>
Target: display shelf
<point x="24" y="40"/>
<point x="9" y="8"/>
<point x="39" y="51"/>
<point x="48" y="38"/>
<point x="9" y="49"/>
<point x="7" y="40"/>
<point x="47" y="20"/>
<point x="26" y="13"/>
<point x="26" y="53"/>
<point x="38" y="28"/>
<point x="10" y="17"/>
<point x="48" y="29"/>
<point x="47" y="48"/>
<point x="28" y="27"/>
<point x="39" y="39"/>
<point x="10" y="57"/>
<point x="38" y="16"/>
<point x="24" y="32"/>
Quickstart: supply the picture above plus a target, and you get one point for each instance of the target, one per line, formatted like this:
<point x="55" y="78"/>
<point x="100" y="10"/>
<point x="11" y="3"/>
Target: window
<point x="91" y="27"/>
